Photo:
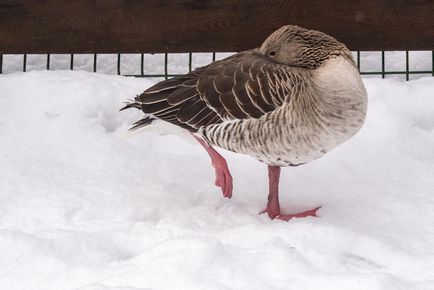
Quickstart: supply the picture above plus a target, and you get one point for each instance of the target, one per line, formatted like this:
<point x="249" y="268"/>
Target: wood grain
<point x="134" y="26"/>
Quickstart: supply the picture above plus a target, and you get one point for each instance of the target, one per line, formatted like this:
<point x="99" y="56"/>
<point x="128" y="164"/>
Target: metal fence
<point x="382" y="72"/>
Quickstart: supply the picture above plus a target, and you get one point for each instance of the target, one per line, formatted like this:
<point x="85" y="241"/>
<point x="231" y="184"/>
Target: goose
<point x="286" y="103"/>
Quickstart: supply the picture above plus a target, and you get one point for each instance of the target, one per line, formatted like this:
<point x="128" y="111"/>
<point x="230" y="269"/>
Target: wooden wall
<point x="131" y="26"/>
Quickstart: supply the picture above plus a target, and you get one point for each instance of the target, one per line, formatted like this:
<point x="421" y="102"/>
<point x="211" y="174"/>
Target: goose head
<point x="296" y="46"/>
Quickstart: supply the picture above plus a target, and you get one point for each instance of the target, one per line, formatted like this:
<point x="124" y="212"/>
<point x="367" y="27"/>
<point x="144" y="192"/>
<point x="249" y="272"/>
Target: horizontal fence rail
<point x="164" y="72"/>
<point x="166" y="26"/>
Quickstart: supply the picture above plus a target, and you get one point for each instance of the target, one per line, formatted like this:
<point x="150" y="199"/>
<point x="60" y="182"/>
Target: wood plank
<point x="133" y="26"/>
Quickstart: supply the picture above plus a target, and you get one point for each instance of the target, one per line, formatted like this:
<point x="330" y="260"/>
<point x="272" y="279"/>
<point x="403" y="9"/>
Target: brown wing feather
<point x="245" y="85"/>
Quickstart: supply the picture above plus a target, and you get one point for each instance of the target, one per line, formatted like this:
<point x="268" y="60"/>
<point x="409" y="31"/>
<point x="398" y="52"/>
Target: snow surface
<point x="84" y="206"/>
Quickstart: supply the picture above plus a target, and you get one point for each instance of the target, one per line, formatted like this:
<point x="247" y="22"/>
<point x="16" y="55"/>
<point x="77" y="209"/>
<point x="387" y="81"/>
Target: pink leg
<point x="223" y="176"/>
<point x="273" y="206"/>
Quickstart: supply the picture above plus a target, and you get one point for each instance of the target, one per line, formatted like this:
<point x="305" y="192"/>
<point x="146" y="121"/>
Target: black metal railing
<point x="165" y="73"/>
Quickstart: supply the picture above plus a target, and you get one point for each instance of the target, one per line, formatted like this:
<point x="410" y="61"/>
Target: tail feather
<point x="130" y="104"/>
<point x="141" y="123"/>
<point x="154" y="97"/>
<point x="165" y="99"/>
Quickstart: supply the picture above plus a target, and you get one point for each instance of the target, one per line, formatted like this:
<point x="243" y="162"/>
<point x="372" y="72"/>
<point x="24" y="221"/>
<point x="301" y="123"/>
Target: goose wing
<point x="244" y="85"/>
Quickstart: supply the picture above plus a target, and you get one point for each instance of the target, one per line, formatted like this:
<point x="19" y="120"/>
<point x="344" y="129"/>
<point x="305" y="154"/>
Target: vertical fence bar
<point x="1" y="63"/>
<point x="142" y="61"/>
<point x="119" y="64"/>
<point x="358" y="60"/>
<point x="213" y="56"/>
<point x="71" y="62"/>
<point x="383" y="69"/>
<point x="94" y="62"/>
<point x="432" y="59"/>
<point x="190" y="60"/>
<point x="25" y="63"/>
<point x="165" y="65"/>
<point x="48" y="61"/>
<point x="407" y="65"/>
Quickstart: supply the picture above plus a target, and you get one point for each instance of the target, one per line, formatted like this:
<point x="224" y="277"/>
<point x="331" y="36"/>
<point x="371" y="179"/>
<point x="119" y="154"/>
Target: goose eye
<point x="272" y="53"/>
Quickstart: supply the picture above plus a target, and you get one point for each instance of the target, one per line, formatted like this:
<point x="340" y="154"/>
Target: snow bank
<point x="84" y="207"/>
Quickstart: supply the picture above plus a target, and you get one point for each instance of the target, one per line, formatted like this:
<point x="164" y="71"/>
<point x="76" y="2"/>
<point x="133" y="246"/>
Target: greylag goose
<point x="286" y="103"/>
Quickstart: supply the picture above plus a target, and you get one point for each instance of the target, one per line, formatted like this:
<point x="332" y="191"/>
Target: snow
<point x="85" y="206"/>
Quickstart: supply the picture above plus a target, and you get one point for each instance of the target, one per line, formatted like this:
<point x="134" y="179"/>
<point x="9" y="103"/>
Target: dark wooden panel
<point x="112" y="26"/>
